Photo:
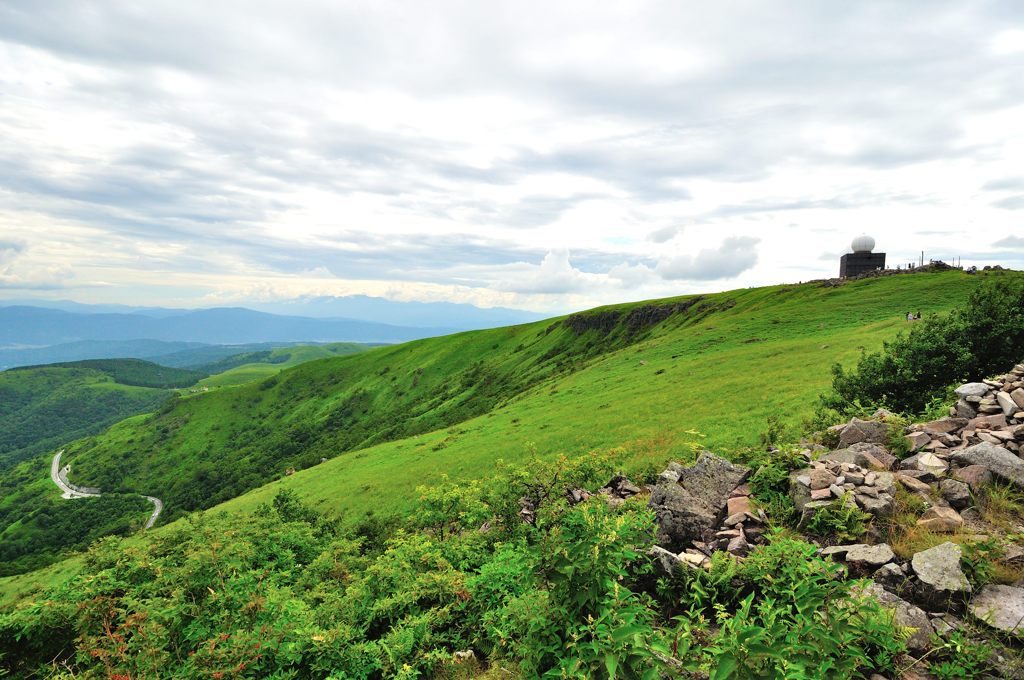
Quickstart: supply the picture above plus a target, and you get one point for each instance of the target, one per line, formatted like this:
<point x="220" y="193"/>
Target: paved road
<point x="55" y="475"/>
<point x="58" y="476"/>
<point x="158" y="507"/>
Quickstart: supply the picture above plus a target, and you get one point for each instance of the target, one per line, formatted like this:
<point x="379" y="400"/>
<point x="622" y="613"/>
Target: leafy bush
<point x="840" y="520"/>
<point x="979" y="339"/>
<point x="796" y="619"/>
<point x="960" y="658"/>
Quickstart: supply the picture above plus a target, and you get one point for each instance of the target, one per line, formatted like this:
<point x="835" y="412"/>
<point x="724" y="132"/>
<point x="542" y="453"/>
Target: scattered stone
<point x="940" y="581"/>
<point x="946" y="624"/>
<point x="991" y="422"/>
<point x="863" y="431"/>
<point x="691" y="508"/>
<point x="879" y="506"/>
<point x="975" y="476"/>
<point x="917" y="440"/>
<point x="870" y="556"/>
<point x="839" y="552"/>
<point x="1001" y="607"/>
<point x="1006" y="403"/>
<point x="905" y="615"/>
<point x="1018" y="398"/>
<point x="941" y="519"/>
<point x="957" y="494"/>
<point x="997" y="459"/>
<point x="913" y="484"/>
<point x="943" y="426"/>
<point x="929" y="462"/>
<point x="890" y="577"/>
<point x="873" y="453"/>
<point x="821" y="479"/>
<point x="667" y="560"/>
<point x="821" y="494"/>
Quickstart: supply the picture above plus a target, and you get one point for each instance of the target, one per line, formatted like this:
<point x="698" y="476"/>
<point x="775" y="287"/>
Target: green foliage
<point x="960" y="658"/>
<point x="769" y="484"/>
<point x="980" y="338"/>
<point x="979" y="560"/>
<point x="787" y="614"/>
<point x="841" y="520"/>
<point x="44" y="407"/>
<point x="134" y="372"/>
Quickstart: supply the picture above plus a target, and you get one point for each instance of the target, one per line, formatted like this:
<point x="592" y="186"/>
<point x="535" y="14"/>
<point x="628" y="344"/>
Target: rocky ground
<point x="931" y="489"/>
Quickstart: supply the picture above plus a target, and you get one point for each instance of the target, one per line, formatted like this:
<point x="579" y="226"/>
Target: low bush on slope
<point x="982" y="337"/>
<point x="285" y="593"/>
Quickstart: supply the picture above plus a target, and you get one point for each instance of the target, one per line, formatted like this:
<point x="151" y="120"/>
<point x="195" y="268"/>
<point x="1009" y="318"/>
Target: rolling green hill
<point x="249" y="366"/>
<point x="44" y="406"/>
<point x="638" y="376"/>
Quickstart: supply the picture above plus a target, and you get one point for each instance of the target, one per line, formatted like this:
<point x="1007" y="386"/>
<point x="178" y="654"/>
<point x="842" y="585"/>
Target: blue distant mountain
<point x="35" y="326"/>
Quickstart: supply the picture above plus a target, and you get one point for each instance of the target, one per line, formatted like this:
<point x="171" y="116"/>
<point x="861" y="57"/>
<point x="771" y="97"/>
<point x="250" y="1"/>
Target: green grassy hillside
<point x="246" y="367"/>
<point x="637" y="376"/>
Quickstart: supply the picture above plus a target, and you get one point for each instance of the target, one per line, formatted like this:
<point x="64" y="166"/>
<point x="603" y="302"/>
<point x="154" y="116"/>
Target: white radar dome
<point x="863" y="244"/>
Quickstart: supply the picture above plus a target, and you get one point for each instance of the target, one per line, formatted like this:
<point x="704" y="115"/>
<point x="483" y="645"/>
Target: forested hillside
<point x="45" y="406"/>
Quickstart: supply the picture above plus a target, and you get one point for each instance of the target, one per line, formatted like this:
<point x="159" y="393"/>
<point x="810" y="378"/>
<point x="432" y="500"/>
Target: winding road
<point x="59" y="476"/>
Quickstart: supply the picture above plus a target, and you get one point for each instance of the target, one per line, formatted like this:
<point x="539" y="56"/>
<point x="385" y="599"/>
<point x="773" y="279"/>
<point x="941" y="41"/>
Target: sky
<point x="542" y="155"/>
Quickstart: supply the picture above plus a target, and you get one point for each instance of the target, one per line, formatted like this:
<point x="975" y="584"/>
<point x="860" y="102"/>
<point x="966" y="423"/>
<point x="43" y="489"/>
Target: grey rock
<point x="689" y="509"/>
<point x="890" y="577"/>
<point x="1006" y="403"/>
<point x="879" y="506"/>
<point x="904" y="615"/>
<point x="997" y="459"/>
<point x="956" y="493"/>
<point x="1001" y="607"/>
<point x="946" y="624"/>
<point x="864" y="431"/>
<point x="943" y="426"/>
<point x="974" y="389"/>
<point x="940" y="580"/>
<point x="839" y="552"/>
<point x="870" y="556"/>
<point x="667" y="560"/>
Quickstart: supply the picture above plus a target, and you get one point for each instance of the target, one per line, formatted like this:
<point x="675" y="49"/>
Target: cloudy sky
<point x="544" y="155"/>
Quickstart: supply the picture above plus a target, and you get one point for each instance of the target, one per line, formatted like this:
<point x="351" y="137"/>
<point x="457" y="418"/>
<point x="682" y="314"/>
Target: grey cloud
<point x="735" y="256"/>
<point x="1010" y="242"/>
<point x="1011" y="202"/>
<point x="1004" y="184"/>
<point x="664" y="234"/>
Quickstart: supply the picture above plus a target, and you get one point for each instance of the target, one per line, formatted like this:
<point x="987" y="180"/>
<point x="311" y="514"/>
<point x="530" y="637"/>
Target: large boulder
<point x="1001" y="607"/>
<point x="905" y="615"/>
<point x="998" y="460"/>
<point x="689" y="509"/>
<point x="858" y="431"/>
<point x="940" y="580"/>
<point x="974" y="389"/>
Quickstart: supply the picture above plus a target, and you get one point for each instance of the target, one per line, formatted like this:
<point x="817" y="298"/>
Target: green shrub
<point x="840" y="520"/>
<point x="981" y="338"/>
<point x="960" y="658"/>
<point x="795" y="620"/>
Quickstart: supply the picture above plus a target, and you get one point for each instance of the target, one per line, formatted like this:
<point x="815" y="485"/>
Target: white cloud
<point x="456" y="150"/>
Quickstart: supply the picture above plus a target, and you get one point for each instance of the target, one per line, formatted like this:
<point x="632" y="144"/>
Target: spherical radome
<point x="863" y="244"/>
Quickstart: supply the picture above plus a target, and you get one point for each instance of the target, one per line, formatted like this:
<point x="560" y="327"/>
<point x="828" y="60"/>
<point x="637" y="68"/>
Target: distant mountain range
<point x="55" y="331"/>
<point x="433" y="315"/>
<point x="36" y="326"/>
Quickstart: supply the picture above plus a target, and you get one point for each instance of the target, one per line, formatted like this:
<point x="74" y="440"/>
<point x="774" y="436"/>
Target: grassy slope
<point x="720" y="372"/>
<point x="271" y="362"/>
<point x="723" y="375"/>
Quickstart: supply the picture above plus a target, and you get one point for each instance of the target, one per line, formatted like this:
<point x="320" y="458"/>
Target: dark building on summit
<point x="861" y="260"/>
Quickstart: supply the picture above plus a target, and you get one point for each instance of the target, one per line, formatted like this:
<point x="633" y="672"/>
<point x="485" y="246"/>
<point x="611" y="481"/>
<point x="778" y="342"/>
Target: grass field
<point x="276" y="360"/>
<point x="396" y="417"/>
